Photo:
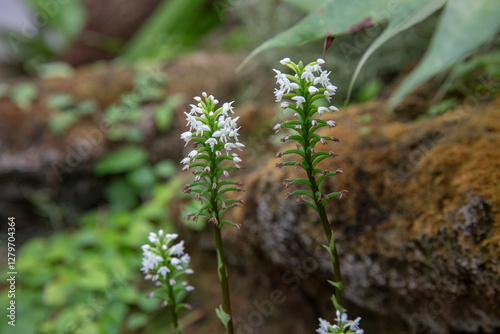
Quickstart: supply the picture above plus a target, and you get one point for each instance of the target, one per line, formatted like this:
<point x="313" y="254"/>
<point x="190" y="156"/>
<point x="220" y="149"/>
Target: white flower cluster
<point x="213" y="128"/>
<point x="343" y="325"/>
<point x="164" y="263"/>
<point x="304" y="82"/>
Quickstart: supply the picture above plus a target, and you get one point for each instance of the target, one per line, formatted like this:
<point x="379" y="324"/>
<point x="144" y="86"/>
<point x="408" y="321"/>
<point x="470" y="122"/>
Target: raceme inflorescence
<point x="167" y="264"/>
<point x="304" y="90"/>
<point x="214" y="134"/>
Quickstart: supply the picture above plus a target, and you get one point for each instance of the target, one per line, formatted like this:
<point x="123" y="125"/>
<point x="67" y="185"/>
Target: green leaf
<point x="299" y="180"/>
<point x="127" y="158"/>
<point x="165" y="168"/>
<point x="223" y="316"/>
<point x="58" y="123"/>
<point x="477" y="22"/>
<point x="338" y="285"/>
<point x="407" y="16"/>
<point x="23" y="95"/>
<point x="164" y="112"/>
<point x="337" y="17"/>
<point x="307" y="6"/>
<point x="303" y="192"/>
<point x="142" y="178"/>
<point x="60" y="101"/>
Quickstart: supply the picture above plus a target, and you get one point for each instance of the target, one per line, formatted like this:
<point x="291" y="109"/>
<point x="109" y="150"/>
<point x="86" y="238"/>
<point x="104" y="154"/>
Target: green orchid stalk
<point x="307" y="85"/>
<point x="214" y="134"/>
<point x="167" y="265"/>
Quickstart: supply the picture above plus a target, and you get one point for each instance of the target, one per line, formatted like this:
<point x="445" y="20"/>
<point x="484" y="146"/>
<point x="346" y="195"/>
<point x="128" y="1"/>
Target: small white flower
<point x="299" y="100"/>
<point x="313" y="90"/>
<point x="320" y="61"/>
<point x="331" y="123"/>
<point x="189" y="288"/>
<point x="186" y="259"/>
<point x="171" y="236"/>
<point x="227" y="107"/>
<point x="177" y="249"/>
<point x="279" y="94"/>
<point x="308" y="74"/>
<point x="163" y="271"/>
<point x="175" y="261"/>
<point x="333" y="109"/>
<point x="284" y="61"/>
<point x="193" y="154"/>
<point x="323" y="79"/>
<point x="185" y="161"/>
<point x="212" y="142"/>
<point x="331" y="89"/>
<point x="153" y="237"/>
<point x="189" y="271"/>
<point x="186" y="136"/>
<point x="172" y="282"/>
<point x="323" y="326"/>
<point x="321" y="111"/>
<point x="284" y="105"/>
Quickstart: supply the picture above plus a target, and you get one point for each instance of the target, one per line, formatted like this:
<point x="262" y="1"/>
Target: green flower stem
<point x="321" y="208"/>
<point x="221" y="265"/>
<point x="226" y="300"/>
<point x="173" y="308"/>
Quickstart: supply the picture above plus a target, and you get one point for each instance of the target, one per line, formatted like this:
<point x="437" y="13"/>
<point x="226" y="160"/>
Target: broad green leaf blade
<point x="337" y="17"/>
<point x="464" y="26"/>
<point x="126" y="159"/>
<point x="307" y="6"/>
<point x="407" y="17"/>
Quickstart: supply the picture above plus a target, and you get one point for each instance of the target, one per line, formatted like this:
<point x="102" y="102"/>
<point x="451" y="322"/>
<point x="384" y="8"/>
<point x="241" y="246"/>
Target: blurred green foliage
<point x="55" y="25"/>
<point x="478" y="23"/>
<point x="176" y="26"/>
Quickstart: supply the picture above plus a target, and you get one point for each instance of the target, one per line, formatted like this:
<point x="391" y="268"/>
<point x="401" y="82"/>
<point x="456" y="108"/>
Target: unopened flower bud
<point x="196" y="178"/>
<point x="214" y="221"/>
<point x="298" y="165"/>
<point x="323" y="141"/>
<point x="280" y="164"/>
<point x="313" y="151"/>
<point x="298" y="127"/>
<point x="333" y="154"/>
<point x="187" y="217"/>
<point x="164" y="304"/>
<point x="314" y="122"/>
<point x="218" y="154"/>
<point x="287" y="195"/>
<point x="335" y="139"/>
<point x="197" y="196"/>
<point x="284" y="139"/>
<point x="279" y="155"/>
<point x="223" y="206"/>
<point x="214" y="186"/>
<point x="151" y="294"/>
<point x="343" y="194"/>
<point x="207" y="169"/>
<point x="195" y="218"/>
<point x="286" y="183"/>
<point x="189" y="306"/>
<point x="225" y="173"/>
<point x="284" y="105"/>
<point x="339" y="171"/>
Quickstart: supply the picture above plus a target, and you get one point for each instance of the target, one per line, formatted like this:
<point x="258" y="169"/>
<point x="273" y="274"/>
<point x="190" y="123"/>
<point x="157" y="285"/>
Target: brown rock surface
<point x="418" y="236"/>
